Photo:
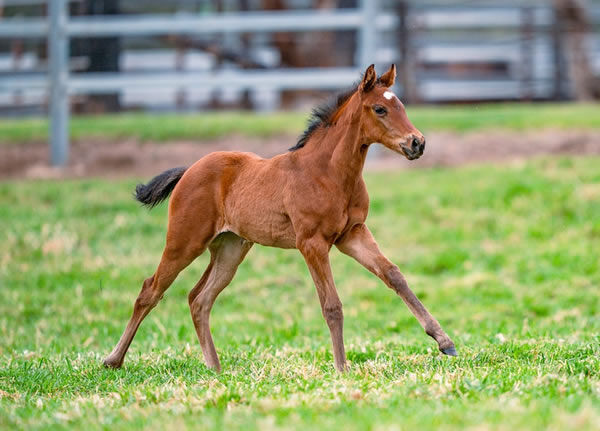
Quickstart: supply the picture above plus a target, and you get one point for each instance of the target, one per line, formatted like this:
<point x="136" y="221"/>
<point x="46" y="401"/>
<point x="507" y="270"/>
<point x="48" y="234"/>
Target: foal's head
<point x="384" y="118"/>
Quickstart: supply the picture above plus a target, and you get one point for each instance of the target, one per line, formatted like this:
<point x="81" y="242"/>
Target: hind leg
<point x="227" y="252"/>
<point x="179" y="252"/>
<point x="152" y="291"/>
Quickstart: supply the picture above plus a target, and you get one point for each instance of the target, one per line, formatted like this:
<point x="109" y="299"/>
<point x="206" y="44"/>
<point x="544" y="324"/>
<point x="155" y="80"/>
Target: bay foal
<point x="311" y="198"/>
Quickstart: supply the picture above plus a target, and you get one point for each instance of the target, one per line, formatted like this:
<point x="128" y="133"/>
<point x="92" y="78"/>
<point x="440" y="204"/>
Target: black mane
<point x="322" y="114"/>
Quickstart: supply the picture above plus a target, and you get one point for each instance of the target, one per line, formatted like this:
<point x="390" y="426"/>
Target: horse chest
<point x="333" y="211"/>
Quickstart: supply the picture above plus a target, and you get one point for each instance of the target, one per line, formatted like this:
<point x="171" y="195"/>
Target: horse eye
<point x="379" y="110"/>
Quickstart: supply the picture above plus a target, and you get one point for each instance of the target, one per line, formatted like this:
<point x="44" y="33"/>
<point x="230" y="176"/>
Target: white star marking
<point x="389" y="95"/>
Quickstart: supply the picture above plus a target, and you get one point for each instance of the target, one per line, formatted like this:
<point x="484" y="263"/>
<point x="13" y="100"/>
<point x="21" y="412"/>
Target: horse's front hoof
<point x="450" y="351"/>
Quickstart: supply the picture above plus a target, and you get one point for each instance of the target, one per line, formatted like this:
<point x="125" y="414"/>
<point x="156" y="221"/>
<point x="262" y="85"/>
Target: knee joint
<point x="333" y="313"/>
<point x="147" y="297"/>
<point x="147" y="285"/>
<point x="200" y="307"/>
<point x="150" y="300"/>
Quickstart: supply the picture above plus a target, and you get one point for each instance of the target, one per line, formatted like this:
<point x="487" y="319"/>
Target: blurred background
<point x="76" y="57"/>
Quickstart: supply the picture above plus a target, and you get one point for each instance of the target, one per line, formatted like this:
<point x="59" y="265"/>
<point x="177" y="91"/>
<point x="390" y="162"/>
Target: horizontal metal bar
<point x="488" y="4"/>
<point x="23" y="82"/>
<point x="273" y="79"/>
<point x="213" y="23"/>
<point x="16" y="28"/>
<point x="440" y="90"/>
<point x="272" y="21"/>
<point x="329" y="78"/>
<point x="326" y="79"/>
<point x="464" y="18"/>
<point x="89" y="26"/>
<point x="6" y="3"/>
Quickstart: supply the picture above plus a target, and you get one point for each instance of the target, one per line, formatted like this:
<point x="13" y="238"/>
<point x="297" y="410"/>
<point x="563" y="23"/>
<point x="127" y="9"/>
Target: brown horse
<point x="310" y="198"/>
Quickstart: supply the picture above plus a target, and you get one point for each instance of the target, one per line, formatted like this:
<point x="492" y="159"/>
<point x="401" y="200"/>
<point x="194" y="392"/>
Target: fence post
<point x="58" y="48"/>
<point x="527" y="44"/>
<point x="367" y="48"/>
<point x="557" y="57"/>
<point x="367" y="45"/>
<point x="407" y="63"/>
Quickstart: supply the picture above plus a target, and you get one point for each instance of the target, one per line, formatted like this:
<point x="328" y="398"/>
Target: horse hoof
<point x="112" y="363"/>
<point x="450" y="351"/>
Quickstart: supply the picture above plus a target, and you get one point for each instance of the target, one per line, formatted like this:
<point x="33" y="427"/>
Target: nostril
<point x="415" y="144"/>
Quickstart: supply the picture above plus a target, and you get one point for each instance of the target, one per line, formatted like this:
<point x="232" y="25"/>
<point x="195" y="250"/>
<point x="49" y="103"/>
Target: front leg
<point x="316" y="254"/>
<point x="360" y="244"/>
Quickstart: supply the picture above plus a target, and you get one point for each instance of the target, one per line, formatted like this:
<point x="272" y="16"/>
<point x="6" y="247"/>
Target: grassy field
<point x="505" y="256"/>
<point x="216" y="124"/>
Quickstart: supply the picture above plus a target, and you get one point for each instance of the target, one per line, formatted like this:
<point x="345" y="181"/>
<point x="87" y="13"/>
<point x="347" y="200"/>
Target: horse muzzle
<point x="413" y="148"/>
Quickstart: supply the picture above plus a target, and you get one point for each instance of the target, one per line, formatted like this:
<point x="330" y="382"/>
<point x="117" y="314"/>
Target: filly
<point x="310" y="198"/>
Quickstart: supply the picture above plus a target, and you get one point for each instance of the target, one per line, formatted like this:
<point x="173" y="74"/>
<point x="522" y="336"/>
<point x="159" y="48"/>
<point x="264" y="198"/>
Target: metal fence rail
<point x="148" y="25"/>
<point x="59" y="28"/>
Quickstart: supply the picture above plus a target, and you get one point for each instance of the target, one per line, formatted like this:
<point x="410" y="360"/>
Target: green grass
<point x="210" y="125"/>
<point x="506" y="257"/>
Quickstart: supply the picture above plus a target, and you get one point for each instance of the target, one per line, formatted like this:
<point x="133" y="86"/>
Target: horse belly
<point x="254" y="206"/>
<point x="272" y="229"/>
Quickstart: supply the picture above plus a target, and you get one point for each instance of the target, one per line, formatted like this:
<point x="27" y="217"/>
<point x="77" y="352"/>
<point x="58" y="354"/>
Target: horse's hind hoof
<point x="112" y="363"/>
<point x="450" y="351"/>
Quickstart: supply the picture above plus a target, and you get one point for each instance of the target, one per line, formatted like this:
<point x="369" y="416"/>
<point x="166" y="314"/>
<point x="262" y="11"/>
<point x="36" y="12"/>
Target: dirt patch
<point x="452" y="149"/>
<point x="131" y="158"/>
<point x="124" y="158"/>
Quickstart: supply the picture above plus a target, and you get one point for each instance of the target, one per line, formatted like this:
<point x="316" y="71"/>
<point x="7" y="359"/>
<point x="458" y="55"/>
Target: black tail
<point x="158" y="188"/>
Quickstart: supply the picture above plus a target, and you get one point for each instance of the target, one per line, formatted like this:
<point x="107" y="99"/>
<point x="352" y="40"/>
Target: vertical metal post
<point x="58" y="49"/>
<point x="526" y="66"/>
<point x="367" y="41"/>
<point x="367" y="47"/>
<point x="557" y="57"/>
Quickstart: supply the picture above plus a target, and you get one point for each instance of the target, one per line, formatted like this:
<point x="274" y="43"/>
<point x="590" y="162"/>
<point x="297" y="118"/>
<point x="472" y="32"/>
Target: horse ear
<point x="389" y="77"/>
<point x="369" y="79"/>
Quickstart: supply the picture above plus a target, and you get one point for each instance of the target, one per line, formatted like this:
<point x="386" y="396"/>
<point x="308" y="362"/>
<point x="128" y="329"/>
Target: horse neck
<point x="349" y="144"/>
<point x="338" y="151"/>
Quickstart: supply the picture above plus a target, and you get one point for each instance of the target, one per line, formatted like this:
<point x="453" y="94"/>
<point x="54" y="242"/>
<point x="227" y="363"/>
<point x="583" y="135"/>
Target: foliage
<point x="506" y="257"/>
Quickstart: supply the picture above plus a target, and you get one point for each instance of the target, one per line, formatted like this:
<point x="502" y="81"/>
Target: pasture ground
<point x="505" y="256"/>
<point x="134" y="144"/>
